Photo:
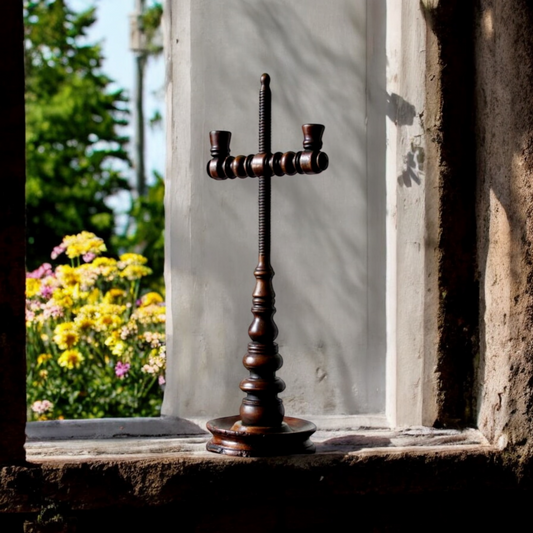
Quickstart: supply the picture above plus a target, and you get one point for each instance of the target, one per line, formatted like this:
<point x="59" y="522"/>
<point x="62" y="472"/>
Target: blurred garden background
<point x="95" y="216"/>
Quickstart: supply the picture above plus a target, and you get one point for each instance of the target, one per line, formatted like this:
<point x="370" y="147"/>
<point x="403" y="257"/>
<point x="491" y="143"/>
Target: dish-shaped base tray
<point x="230" y="437"/>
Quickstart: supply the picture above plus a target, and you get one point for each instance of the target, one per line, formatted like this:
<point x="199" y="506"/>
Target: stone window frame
<point x="451" y="309"/>
<point x="325" y="487"/>
<point x="435" y="402"/>
<point x="410" y="396"/>
<point x="325" y="482"/>
<point x="405" y="380"/>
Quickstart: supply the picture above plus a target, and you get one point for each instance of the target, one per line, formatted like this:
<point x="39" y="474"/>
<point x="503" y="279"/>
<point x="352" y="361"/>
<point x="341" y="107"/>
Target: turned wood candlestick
<point x="261" y="428"/>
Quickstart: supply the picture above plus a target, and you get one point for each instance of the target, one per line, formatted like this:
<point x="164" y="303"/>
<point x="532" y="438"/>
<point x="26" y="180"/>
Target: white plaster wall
<point x="328" y="246"/>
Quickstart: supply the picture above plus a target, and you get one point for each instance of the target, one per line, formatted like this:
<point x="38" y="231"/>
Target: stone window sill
<point x="165" y="474"/>
<point x="193" y="438"/>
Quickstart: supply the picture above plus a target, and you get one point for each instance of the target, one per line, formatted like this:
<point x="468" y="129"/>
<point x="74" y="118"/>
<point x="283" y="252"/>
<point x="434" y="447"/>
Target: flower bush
<point x="95" y="343"/>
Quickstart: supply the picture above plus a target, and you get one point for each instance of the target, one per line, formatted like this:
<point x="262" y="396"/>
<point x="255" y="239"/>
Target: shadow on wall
<point x="399" y="110"/>
<point x="403" y="113"/>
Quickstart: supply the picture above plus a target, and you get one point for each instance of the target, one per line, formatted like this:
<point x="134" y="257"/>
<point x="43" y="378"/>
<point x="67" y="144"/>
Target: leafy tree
<point x="74" y="148"/>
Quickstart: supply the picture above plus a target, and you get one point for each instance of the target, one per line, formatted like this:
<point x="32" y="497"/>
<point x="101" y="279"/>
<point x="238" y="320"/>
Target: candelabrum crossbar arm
<point x="309" y="161"/>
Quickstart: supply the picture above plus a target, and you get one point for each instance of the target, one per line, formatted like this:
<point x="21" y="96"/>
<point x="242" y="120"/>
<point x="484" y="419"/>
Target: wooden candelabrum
<point x="261" y="428"/>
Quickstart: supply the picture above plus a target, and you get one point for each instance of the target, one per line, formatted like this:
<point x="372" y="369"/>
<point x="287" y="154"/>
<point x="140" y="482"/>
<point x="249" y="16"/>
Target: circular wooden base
<point x="230" y="437"/>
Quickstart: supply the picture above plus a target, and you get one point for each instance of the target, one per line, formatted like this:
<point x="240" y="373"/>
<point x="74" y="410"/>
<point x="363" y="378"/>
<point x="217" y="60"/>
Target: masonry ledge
<point x="328" y="441"/>
<point x="152" y="472"/>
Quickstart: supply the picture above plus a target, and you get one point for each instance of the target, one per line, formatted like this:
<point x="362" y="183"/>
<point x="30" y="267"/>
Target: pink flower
<point x="54" y="311"/>
<point x="58" y="250"/>
<point x="121" y="369"/>
<point x="42" y="272"/>
<point x="88" y="257"/>
<point x="161" y="380"/>
<point x="46" y="291"/>
<point x="41" y="407"/>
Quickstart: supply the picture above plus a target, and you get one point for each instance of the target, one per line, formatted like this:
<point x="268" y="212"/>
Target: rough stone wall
<point x="451" y="287"/>
<point x="323" y="492"/>
<point x="504" y="144"/>
<point x="479" y="123"/>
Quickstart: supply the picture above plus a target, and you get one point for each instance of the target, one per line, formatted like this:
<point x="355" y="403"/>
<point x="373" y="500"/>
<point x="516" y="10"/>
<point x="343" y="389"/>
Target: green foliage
<point x="150" y="25"/>
<point x="74" y="150"/>
<point x="147" y="237"/>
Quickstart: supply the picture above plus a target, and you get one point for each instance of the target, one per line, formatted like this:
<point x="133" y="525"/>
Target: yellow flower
<point x="113" y="295"/>
<point x="66" y="335"/>
<point x="68" y="276"/>
<point x="132" y="266"/>
<point x="43" y="358"/>
<point x="132" y="259"/>
<point x="94" y="296"/>
<point x="107" y="316"/>
<point x="63" y="298"/>
<point x="33" y="286"/>
<point x="84" y="323"/>
<point x="134" y="272"/>
<point x="88" y="311"/>
<point x="106" y="267"/>
<point x="70" y="359"/>
<point x="107" y="321"/>
<point x="118" y="346"/>
<point x="151" y="298"/>
<point x="150" y="314"/>
<point x="83" y="243"/>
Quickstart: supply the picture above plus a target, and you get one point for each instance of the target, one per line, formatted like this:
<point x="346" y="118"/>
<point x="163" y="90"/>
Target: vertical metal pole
<point x="140" y="62"/>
